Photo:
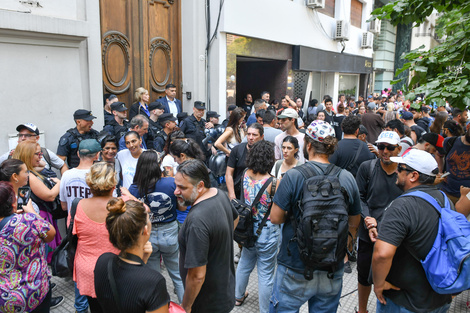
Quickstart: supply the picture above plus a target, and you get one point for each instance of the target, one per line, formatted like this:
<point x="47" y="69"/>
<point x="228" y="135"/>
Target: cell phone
<point x="445" y="174"/>
<point x="24" y="193"/>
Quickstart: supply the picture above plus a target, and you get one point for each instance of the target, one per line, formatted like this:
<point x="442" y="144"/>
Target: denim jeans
<point x="164" y="239"/>
<point x="81" y="302"/>
<point x="291" y="290"/>
<point x="392" y="307"/>
<point x="263" y="254"/>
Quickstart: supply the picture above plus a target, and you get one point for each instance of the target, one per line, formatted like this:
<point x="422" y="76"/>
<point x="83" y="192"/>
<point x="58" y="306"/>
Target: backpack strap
<point x="242" y="189"/>
<point x="73" y="211"/>
<point x="277" y="167"/>
<point x="356" y="156"/>
<point x="431" y="200"/>
<point x="112" y="283"/>
<point x="258" y="196"/>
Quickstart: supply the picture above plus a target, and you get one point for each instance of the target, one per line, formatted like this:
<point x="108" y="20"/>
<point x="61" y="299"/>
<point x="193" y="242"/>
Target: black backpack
<point x="321" y="231"/>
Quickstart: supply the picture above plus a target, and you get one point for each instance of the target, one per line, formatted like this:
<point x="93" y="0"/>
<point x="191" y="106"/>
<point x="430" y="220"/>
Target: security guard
<point x="168" y="121"/>
<point x="156" y="109"/>
<point x="119" y="125"/>
<point x="68" y="143"/>
<point x="194" y="125"/>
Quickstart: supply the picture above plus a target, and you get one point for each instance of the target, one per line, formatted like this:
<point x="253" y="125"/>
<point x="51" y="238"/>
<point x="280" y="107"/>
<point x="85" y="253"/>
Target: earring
<point x="16" y="181"/>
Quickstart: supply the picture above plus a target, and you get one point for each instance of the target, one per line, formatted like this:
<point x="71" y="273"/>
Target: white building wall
<point x="284" y="21"/>
<point x="50" y="65"/>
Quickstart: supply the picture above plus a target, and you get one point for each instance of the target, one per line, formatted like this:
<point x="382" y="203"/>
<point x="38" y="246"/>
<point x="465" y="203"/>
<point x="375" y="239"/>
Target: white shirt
<point x="73" y="185"/>
<point x="128" y="166"/>
<point x="278" y="146"/>
<point x="172" y="106"/>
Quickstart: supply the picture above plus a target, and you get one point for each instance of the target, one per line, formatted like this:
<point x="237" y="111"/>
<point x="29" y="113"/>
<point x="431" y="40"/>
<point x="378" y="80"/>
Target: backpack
<point x="447" y="265"/>
<point x="321" y="231"/>
<point x="244" y="232"/>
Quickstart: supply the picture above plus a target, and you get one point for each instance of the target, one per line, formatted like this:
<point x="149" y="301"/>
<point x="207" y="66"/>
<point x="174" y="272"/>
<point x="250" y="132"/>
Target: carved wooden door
<point x="140" y="42"/>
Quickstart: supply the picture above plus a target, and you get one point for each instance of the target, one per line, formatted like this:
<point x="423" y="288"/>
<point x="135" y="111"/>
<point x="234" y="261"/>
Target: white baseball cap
<point x="390" y="137"/>
<point x="418" y="160"/>
<point x="288" y="113"/>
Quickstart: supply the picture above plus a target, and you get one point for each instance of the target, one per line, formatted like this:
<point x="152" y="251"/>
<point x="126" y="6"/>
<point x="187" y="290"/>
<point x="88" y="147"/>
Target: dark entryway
<point x="255" y="75"/>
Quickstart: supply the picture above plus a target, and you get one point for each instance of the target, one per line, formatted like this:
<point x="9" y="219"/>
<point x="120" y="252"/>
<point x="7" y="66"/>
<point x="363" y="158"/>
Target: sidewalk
<point x="348" y="300"/>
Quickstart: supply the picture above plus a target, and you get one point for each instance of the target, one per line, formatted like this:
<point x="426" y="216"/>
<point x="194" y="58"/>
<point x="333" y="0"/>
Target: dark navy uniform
<point x="160" y="140"/>
<point x="108" y="117"/>
<point x="154" y="129"/>
<point x="194" y="129"/>
<point x="113" y="128"/>
<point x="68" y="145"/>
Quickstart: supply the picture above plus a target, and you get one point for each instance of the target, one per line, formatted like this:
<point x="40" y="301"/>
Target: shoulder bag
<point x="64" y="256"/>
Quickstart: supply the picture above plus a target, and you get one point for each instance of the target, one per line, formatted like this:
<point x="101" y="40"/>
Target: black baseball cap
<point x="156" y="105"/>
<point x="83" y="115"/>
<point x="231" y="107"/>
<point x="210" y="114"/>
<point x="166" y="117"/>
<point x="118" y="106"/>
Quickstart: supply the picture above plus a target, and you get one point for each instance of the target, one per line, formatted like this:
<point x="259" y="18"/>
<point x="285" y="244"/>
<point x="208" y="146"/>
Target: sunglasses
<point x="402" y="168"/>
<point x="389" y="148"/>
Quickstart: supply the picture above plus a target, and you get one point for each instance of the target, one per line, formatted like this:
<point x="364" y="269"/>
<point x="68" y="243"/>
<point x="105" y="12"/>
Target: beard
<point x="189" y="201"/>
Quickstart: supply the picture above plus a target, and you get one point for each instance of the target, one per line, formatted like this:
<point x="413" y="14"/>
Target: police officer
<point x="156" y="109"/>
<point x="68" y="143"/>
<point x="168" y="122"/>
<point x="194" y="125"/>
<point x="119" y="125"/>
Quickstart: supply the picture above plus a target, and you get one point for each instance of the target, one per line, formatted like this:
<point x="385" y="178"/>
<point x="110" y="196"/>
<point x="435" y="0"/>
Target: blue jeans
<point x="81" y="302"/>
<point x="164" y="239"/>
<point x="291" y="290"/>
<point x="392" y="307"/>
<point x="263" y="254"/>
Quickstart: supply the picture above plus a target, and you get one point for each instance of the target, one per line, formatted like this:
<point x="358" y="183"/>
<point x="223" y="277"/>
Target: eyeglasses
<point x="402" y="167"/>
<point x="39" y="154"/>
<point x="25" y="135"/>
<point x="389" y="148"/>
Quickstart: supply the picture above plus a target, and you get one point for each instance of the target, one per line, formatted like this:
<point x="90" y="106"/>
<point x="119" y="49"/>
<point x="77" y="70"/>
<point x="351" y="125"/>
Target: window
<point x="356" y="13"/>
<point x="329" y="8"/>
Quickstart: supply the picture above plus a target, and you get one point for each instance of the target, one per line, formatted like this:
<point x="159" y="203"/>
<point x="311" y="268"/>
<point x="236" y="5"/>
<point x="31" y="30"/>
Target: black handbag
<point x="244" y="232"/>
<point x="54" y="207"/>
<point x="64" y="255"/>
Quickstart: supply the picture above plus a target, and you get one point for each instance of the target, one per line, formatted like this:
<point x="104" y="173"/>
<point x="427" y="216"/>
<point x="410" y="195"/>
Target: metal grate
<point x="300" y="84"/>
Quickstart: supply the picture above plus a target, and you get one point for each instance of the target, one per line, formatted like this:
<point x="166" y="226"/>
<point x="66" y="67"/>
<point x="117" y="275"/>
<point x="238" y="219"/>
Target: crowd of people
<point x="158" y="189"/>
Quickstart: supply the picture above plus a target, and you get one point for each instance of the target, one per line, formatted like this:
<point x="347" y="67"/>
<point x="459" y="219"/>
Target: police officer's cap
<point x="231" y="107"/>
<point x="199" y="105"/>
<point x="83" y="115"/>
<point x="166" y="117"/>
<point x="156" y="105"/>
<point x="118" y="106"/>
<point x="210" y="114"/>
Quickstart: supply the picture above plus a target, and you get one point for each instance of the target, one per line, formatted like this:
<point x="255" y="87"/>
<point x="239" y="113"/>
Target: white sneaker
<point x="236" y="258"/>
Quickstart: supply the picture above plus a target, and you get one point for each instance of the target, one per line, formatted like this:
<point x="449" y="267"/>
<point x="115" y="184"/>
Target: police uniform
<point x="161" y="137"/>
<point x="194" y="129"/>
<point x="113" y="127"/>
<point x="154" y="127"/>
<point x="69" y="142"/>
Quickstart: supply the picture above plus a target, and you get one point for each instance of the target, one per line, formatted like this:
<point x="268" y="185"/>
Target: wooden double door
<point x="140" y="47"/>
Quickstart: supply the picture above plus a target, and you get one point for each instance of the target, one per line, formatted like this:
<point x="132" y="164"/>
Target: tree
<point x="442" y="73"/>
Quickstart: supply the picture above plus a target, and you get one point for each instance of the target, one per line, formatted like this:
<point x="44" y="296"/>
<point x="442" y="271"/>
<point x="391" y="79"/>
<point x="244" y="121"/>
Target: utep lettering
<point x="78" y="192"/>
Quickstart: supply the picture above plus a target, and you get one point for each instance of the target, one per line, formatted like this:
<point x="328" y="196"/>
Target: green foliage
<point x="442" y="73"/>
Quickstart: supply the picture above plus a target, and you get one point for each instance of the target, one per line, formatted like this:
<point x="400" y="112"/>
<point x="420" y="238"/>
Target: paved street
<point x="348" y="300"/>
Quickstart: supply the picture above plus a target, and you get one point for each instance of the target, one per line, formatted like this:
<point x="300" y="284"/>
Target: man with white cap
<point x="376" y="180"/>
<point x="405" y="235"/>
<point x="288" y="120"/>
<point x="49" y="160"/>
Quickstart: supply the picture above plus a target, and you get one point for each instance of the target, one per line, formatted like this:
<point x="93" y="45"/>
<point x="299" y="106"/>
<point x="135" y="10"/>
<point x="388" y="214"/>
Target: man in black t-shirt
<point x="206" y="242"/>
<point x="351" y="152"/>
<point x="407" y="232"/>
<point x="236" y="161"/>
<point x="376" y="182"/>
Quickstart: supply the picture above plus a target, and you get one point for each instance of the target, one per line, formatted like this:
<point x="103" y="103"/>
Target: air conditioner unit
<point x="316" y="4"/>
<point x="374" y="26"/>
<point x="342" y="30"/>
<point x="367" y="40"/>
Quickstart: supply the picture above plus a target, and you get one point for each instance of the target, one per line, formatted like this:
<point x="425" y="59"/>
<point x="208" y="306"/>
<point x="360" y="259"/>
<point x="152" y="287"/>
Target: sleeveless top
<point x="250" y="190"/>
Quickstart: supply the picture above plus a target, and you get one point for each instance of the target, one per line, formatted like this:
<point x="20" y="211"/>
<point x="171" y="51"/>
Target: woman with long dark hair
<point x="169" y="164"/>
<point x="139" y="288"/>
<point x="234" y="132"/>
<point x="157" y="193"/>
<point x="15" y="172"/>
<point x="23" y="266"/>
